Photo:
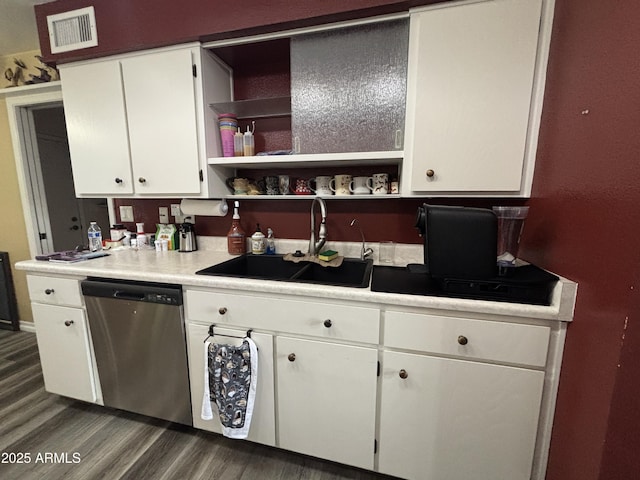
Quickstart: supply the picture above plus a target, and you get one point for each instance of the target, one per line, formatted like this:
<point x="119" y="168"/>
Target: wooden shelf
<point x="310" y="160"/>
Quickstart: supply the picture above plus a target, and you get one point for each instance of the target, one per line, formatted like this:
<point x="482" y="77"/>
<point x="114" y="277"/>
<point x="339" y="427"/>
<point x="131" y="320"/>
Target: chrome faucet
<point x="364" y="251"/>
<point x="315" y="246"/>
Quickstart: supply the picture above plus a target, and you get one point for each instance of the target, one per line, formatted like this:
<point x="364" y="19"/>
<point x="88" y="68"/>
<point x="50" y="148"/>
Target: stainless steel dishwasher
<point x="138" y="336"/>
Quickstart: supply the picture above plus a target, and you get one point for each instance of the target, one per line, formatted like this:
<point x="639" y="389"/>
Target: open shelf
<point x="255" y="108"/>
<point x="310" y="160"/>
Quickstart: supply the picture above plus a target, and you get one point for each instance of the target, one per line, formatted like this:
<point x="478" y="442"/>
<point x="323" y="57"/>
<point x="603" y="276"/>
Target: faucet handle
<point x="367" y="253"/>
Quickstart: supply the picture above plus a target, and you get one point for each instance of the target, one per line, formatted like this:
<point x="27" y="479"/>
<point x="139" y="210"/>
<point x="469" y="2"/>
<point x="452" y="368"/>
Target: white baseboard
<point x="27" y="327"/>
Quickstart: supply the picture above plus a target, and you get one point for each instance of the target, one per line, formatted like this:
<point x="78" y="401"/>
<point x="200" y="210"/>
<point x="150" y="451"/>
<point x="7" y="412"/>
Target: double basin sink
<point x="353" y="272"/>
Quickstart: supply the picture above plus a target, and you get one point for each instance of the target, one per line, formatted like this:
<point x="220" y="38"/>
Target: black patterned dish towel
<point x="230" y="379"/>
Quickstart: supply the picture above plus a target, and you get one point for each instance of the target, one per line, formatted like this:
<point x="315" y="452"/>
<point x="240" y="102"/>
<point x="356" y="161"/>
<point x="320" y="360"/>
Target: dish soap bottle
<point x="271" y="243"/>
<point x="236" y="238"/>
<point x="258" y="242"/>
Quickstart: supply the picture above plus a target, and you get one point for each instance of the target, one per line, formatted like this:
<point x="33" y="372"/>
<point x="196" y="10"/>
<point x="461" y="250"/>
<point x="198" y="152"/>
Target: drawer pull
<point x="462" y="340"/>
<point x="430" y="173"/>
<point x="49" y="291"/>
<point x="292" y="357"/>
<point x="403" y="374"/>
<point x="328" y="323"/>
<point x="68" y="323"/>
<point x="222" y="310"/>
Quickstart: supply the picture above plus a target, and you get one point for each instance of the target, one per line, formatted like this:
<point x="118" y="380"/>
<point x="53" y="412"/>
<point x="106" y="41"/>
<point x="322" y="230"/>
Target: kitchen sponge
<point x="327" y="255"/>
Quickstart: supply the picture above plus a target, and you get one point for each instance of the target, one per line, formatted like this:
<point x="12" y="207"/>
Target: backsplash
<point x="381" y="219"/>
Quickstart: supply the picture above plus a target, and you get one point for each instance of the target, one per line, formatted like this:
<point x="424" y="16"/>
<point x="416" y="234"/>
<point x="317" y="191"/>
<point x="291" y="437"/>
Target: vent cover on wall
<point x="72" y="30"/>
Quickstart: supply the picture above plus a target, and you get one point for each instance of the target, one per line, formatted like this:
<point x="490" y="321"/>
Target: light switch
<point x="126" y="214"/>
<point x="163" y="213"/>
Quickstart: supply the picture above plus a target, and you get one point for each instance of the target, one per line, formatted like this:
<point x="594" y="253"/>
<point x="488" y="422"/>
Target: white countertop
<point x="179" y="268"/>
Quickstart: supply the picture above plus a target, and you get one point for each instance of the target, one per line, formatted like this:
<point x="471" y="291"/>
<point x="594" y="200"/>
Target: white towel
<point x="207" y="412"/>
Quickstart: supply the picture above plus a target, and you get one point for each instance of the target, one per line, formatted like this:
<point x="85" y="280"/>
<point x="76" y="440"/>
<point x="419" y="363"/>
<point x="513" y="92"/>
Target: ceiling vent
<point x="72" y="30"/>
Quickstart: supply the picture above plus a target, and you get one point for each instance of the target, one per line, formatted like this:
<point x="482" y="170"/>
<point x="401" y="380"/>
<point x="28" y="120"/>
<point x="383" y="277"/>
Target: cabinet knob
<point x="430" y="173"/>
<point x="403" y="374"/>
<point x="292" y="357"/>
<point x="222" y="310"/>
<point x="142" y="180"/>
<point x="328" y="323"/>
<point x="68" y="323"/>
<point x="118" y="180"/>
<point x="49" y="291"/>
<point x="462" y="340"/>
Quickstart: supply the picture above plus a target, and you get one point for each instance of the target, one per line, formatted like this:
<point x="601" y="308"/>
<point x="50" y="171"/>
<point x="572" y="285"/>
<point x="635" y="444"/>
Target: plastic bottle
<point x="258" y="244"/>
<point x="95" y="237"/>
<point x="271" y="243"/>
<point x="142" y="238"/>
<point x="249" y="144"/>
<point x="238" y="144"/>
<point x="236" y="238"/>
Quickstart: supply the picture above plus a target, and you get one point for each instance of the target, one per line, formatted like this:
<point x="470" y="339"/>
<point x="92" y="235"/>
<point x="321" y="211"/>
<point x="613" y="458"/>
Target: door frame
<point x="34" y="204"/>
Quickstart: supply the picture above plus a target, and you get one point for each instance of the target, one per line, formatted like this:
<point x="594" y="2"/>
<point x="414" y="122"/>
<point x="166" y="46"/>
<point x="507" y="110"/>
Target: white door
<point x="97" y="128"/>
<point x="262" y="428"/>
<point x="457" y="420"/>
<point x="63" y="343"/>
<point x="161" y="111"/>
<point x="471" y="70"/>
<point x="327" y="400"/>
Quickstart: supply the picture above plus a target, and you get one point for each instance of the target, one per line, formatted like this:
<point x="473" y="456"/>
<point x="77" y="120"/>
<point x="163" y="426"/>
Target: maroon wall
<point x="583" y="221"/>
<point x="584" y="224"/>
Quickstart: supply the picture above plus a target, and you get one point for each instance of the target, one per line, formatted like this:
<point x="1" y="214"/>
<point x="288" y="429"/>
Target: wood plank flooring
<point x="95" y="442"/>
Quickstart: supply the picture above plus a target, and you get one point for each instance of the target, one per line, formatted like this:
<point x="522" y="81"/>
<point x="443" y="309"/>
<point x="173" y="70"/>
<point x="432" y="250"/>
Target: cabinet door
<point x="327" y="400"/>
<point x="263" y="420"/>
<point x="96" y="121"/>
<point x="454" y="419"/>
<point x="471" y="70"/>
<point x="161" y="111"/>
<point x="63" y="343"/>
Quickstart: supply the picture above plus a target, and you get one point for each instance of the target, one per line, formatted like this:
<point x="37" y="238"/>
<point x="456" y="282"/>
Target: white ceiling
<point x="18" y="32"/>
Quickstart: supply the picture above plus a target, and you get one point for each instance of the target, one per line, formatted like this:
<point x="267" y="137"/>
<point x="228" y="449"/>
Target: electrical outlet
<point x="175" y="210"/>
<point x="126" y="214"/>
<point x="163" y="213"/>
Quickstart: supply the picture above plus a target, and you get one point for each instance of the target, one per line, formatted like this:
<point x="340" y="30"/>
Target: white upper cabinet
<point x="135" y="123"/>
<point x="469" y="96"/>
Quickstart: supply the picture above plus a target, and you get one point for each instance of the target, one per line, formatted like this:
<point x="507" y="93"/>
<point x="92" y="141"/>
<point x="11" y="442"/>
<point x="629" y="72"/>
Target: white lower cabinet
<point x="65" y="354"/>
<point x="448" y="419"/>
<point x="327" y="399"/>
<point x="263" y="428"/>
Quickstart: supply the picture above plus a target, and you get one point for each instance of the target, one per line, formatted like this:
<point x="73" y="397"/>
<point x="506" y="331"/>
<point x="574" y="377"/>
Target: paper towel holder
<point x="204" y="207"/>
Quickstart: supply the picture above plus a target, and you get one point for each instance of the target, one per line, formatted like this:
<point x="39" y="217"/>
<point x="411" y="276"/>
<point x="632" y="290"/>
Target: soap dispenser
<point x="271" y="243"/>
<point x="258" y="243"/>
<point x="236" y="238"/>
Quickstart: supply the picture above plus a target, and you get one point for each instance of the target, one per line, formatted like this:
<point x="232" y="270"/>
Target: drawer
<point x="479" y="339"/>
<point x="319" y="319"/>
<point x="54" y="290"/>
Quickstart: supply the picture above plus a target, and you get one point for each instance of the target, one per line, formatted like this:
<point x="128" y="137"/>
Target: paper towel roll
<point x="211" y="208"/>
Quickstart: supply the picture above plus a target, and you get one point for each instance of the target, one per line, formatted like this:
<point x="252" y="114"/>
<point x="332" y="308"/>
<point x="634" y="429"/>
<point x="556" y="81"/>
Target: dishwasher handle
<point x="124" y="295"/>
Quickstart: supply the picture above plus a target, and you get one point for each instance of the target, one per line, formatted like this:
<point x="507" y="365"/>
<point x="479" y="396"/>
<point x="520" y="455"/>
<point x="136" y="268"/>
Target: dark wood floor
<point x="111" y="444"/>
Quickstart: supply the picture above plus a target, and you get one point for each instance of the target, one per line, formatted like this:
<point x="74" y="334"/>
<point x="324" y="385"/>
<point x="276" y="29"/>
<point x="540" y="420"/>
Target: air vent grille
<point x="72" y="30"/>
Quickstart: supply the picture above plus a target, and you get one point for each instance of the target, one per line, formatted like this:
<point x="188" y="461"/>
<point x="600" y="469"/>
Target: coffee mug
<point x="240" y="186"/>
<point x="340" y="184"/>
<point x="361" y="185"/>
<point x="283" y="183"/>
<point x="271" y="185"/>
<point x="302" y="187"/>
<point x="321" y="185"/>
<point x="380" y="183"/>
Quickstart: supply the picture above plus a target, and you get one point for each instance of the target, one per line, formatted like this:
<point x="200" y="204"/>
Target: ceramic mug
<point x="283" y="184"/>
<point x="240" y="186"/>
<point x="302" y="187"/>
<point x="380" y="183"/>
<point x="340" y="184"/>
<point x="361" y="185"/>
<point x="272" y="185"/>
<point x="321" y="185"/>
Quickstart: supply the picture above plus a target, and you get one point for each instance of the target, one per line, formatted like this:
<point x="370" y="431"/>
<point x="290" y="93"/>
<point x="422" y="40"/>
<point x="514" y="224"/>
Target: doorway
<point x="55" y="219"/>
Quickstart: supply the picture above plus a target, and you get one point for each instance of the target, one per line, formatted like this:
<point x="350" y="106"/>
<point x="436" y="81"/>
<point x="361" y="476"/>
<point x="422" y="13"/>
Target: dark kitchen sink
<point x="352" y="272"/>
